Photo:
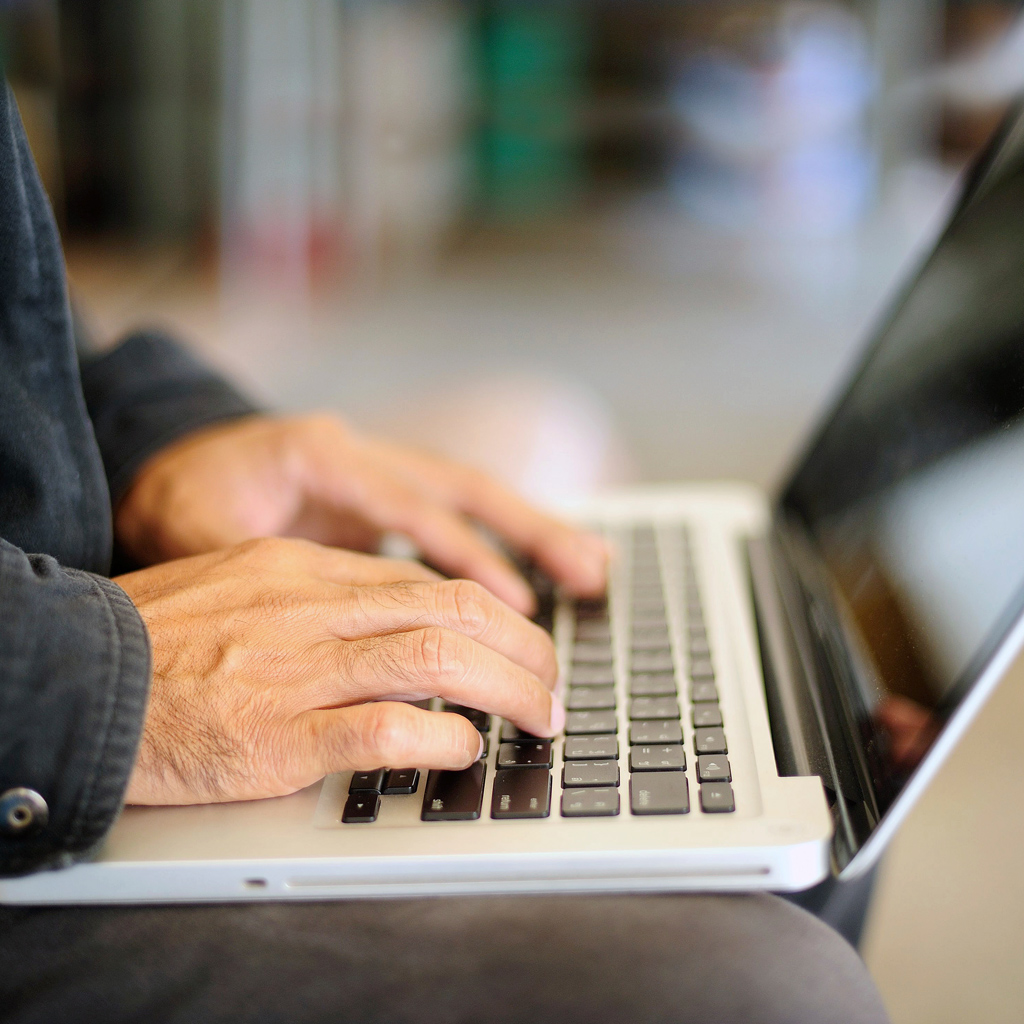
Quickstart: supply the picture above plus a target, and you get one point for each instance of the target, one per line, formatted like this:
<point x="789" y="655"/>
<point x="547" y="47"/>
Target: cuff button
<point x="22" y="813"/>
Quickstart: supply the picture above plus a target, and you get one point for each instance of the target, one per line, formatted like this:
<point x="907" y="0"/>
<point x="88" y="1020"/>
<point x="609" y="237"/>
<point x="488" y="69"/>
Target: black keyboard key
<point x="592" y="654"/>
<point x="592" y="608"/>
<point x="367" y="782"/>
<point x="659" y="793"/>
<point x="591" y="698"/>
<point x="594" y="630"/>
<point x="513" y="734"/>
<point x="657" y="631"/>
<point x="663" y="757"/>
<point x="716" y="798"/>
<point x="641" y="708"/>
<point x="590" y="803"/>
<point x="525" y="755"/>
<point x="703" y="692"/>
<point x="653" y="733"/>
<point x="714" y="768"/>
<point x="590" y="773"/>
<point x="401" y="780"/>
<point x="648" y="620"/>
<point x="361" y="808"/>
<point x="652" y="661"/>
<point x="702" y="669"/>
<point x="454" y="796"/>
<point x="592" y="675"/>
<point x="706" y="716"/>
<point x="584" y="723"/>
<point x="588" y="748"/>
<point x="653" y="684"/>
<point x="521" y="794"/>
<point x="710" y="741"/>
<point x="481" y="719"/>
<point x="654" y="642"/>
<point x="647" y="573"/>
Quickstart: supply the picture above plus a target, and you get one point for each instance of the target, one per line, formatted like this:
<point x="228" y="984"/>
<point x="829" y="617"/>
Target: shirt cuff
<point x="147" y="393"/>
<point x="75" y="663"/>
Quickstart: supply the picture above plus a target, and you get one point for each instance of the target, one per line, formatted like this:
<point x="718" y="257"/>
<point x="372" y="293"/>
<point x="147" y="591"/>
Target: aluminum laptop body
<point x="770" y="684"/>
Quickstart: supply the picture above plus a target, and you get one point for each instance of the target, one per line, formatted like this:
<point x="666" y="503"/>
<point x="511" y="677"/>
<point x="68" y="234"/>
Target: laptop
<point x="768" y="686"/>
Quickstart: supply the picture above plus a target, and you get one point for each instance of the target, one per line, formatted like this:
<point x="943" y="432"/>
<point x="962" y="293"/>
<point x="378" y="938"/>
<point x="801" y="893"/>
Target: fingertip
<point x="588" y="565"/>
<point x="518" y="594"/>
<point x="470" y="746"/>
<point x="557" y="720"/>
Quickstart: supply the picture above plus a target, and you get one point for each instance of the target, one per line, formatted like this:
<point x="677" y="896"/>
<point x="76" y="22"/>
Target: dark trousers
<point x="478" y="960"/>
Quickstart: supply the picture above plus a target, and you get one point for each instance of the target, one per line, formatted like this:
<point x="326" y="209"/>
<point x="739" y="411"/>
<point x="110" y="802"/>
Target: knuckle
<point x="318" y="426"/>
<point x="387" y="732"/>
<point x="466" y="604"/>
<point x="266" y="550"/>
<point x="474" y="481"/>
<point x="439" y="653"/>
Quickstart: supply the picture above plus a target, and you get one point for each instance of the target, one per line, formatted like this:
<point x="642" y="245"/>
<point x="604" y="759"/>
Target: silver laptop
<point x="768" y="686"/>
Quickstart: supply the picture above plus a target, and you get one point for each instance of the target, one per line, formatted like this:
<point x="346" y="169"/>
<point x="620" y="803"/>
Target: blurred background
<point x="585" y="242"/>
<point x="362" y="204"/>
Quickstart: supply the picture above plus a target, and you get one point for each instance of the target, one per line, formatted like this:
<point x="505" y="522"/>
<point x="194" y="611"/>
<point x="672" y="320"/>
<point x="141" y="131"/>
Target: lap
<point x="487" y="960"/>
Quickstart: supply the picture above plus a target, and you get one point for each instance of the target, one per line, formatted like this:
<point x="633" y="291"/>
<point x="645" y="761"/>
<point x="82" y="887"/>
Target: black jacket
<point x="74" y="654"/>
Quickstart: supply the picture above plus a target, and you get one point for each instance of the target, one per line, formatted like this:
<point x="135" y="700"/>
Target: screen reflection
<point x="913" y="494"/>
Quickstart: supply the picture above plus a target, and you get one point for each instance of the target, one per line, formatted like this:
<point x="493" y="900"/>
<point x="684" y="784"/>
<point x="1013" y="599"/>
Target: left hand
<point x="315" y="477"/>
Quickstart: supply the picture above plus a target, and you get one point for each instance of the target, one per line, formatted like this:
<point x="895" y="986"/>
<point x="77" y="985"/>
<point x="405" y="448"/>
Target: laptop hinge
<point x="779" y="663"/>
<point x="794" y="688"/>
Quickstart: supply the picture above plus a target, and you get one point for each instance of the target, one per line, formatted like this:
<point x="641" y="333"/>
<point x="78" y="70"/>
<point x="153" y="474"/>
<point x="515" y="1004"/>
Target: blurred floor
<point x="945" y="937"/>
<point x="713" y="360"/>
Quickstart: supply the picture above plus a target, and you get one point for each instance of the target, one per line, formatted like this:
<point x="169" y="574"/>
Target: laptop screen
<point x="912" y="496"/>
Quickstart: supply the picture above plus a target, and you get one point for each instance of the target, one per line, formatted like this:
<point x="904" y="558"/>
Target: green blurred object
<point x="533" y="71"/>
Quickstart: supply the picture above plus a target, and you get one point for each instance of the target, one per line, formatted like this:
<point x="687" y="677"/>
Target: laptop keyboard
<point x="610" y="763"/>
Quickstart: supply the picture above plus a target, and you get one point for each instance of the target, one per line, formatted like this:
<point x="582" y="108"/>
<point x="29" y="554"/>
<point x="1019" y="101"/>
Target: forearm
<point x="74" y="679"/>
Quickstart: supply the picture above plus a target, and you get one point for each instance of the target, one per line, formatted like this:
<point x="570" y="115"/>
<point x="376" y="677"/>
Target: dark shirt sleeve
<point x="78" y="652"/>
<point x="146" y="393"/>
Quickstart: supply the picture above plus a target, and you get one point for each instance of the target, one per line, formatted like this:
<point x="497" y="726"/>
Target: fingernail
<point x="479" y="752"/>
<point x="557" y="716"/>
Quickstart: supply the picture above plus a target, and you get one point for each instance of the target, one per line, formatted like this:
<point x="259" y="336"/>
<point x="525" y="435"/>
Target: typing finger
<point x="443" y="536"/>
<point x="460" y="605"/>
<point x="433" y="662"/>
<point x="573" y="557"/>
<point x="370" y="736"/>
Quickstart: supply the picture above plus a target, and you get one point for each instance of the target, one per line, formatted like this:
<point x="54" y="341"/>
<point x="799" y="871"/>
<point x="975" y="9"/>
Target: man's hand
<point x="314" y="477"/>
<point x="279" y="661"/>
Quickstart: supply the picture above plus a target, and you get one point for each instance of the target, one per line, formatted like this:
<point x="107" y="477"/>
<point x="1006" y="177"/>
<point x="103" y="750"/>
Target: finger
<point x="349" y="567"/>
<point x="454" y="546"/>
<point x="575" y="558"/>
<point x="434" y="662"/>
<point x="371" y="736"/>
<point x="444" y="537"/>
<point x="460" y="605"/>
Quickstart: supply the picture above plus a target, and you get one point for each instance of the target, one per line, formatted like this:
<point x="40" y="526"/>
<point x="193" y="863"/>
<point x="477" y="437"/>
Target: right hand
<point x="279" y="661"/>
